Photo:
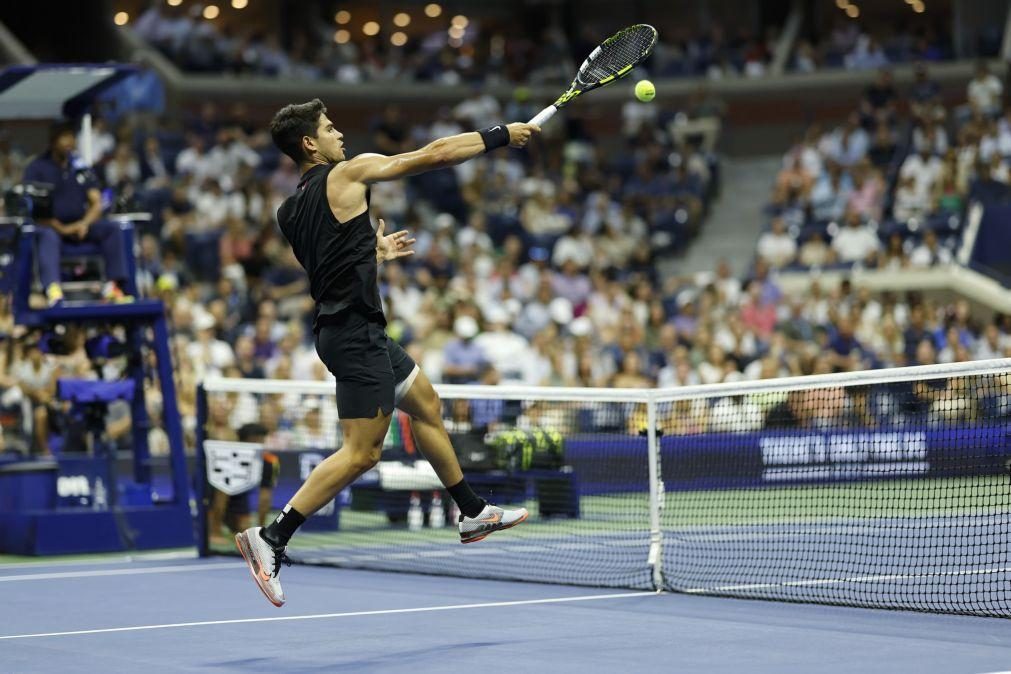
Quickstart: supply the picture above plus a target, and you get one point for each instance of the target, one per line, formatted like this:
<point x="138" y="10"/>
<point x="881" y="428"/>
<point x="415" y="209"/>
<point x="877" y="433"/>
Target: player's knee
<point x="367" y="455"/>
<point x="430" y="409"/>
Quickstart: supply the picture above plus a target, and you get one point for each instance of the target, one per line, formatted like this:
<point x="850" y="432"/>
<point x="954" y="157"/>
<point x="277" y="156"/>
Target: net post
<point x="200" y="473"/>
<point x="655" y="557"/>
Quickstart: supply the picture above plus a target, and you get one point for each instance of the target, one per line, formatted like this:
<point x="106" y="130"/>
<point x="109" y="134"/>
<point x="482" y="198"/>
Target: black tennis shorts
<point x="373" y="372"/>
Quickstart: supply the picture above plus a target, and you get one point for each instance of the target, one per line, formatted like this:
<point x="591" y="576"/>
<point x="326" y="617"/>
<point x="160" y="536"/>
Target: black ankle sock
<point x="470" y="504"/>
<point x="278" y="532"/>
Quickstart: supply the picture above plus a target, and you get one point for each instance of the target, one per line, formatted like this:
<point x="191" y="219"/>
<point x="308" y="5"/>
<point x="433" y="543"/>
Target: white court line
<point x="105" y="561"/>
<point x="349" y="614"/>
<point x="119" y="572"/>
<point x="839" y="581"/>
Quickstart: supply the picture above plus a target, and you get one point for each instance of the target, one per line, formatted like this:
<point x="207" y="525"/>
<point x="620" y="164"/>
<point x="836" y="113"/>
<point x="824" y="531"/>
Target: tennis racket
<point x="609" y="62"/>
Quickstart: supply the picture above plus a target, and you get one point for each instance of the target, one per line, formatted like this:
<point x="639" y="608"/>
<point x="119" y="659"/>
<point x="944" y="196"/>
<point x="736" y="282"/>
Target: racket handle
<point x="544" y="115"/>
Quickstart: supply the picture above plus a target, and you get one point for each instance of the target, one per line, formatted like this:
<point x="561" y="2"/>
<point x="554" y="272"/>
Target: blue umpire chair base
<point x="118" y="510"/>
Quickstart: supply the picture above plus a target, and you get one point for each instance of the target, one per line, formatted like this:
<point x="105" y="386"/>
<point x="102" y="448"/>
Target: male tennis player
<point x="327" y="224"/>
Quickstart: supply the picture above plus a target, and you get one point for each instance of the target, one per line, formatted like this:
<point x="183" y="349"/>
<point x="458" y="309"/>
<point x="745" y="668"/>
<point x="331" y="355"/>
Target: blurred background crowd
<point x="541" y="267"/>
<point x="436" y="45"/>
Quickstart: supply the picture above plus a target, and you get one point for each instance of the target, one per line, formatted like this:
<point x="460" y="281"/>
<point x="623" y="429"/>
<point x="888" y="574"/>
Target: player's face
<point x="329" y="141"/>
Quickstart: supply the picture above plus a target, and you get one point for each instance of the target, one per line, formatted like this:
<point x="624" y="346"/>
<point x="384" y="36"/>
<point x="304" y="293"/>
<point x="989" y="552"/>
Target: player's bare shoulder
<point x="345" y="192"/>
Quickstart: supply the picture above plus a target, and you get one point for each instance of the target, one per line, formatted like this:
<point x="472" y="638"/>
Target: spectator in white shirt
<point x="475" y="233"/>
<point x="505" y="349"/>
<point x="479" y="110"/>
<point x="931" y="137"/>
<point x="230" y="154"/>
<point x="208" y="354"/>
<point x="123" y="167"/>
<point x="992" y="345"/>
<point x="930" y="252"/>
<point x="634" y="115"/>
<point x="924" y="168"/>
<point x="577" y="246"/>
<point x="918" y="179"/>
<point x="212" y="206"/>
<point x="985" y="90"/>
<point x="193" y="160"/>
<point x="727" y="285"/>
<point x="776" y="246"/>
<point x="815" y="252"/>
<point x="856" y="242"/>
<point x="736" y="414"/>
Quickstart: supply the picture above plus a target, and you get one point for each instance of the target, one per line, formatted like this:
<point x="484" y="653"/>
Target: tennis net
<point x="888" y="488"/>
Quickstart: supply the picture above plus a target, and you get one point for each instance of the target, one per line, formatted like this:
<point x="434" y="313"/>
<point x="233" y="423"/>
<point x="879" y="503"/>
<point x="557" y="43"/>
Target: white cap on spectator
<point x="686" y="296"/>
<point x="581" y="327"/>
<point x="203" y="321"/>
<point x="495" y="313"/>
<point x="444" y="221"/>
<point x="466" y="238"/>
<point x="465" y="327"/>
<point x="560" y="310"/>
<point x="704" y="278"/>
<point x="514" y="307"/>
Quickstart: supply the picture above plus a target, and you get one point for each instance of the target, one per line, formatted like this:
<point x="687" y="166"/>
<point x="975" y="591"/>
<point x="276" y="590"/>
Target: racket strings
<point x="627" y="48"/>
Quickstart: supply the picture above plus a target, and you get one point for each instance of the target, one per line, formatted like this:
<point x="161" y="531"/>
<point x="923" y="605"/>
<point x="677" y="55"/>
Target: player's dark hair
<point x="292" y="123"/>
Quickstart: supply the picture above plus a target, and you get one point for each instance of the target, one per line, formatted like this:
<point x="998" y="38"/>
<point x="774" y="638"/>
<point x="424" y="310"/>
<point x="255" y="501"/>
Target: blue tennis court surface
<point x="207" y="615"/>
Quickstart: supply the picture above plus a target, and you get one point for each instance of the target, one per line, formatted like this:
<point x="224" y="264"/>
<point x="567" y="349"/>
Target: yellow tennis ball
<point x="645" y="91"/>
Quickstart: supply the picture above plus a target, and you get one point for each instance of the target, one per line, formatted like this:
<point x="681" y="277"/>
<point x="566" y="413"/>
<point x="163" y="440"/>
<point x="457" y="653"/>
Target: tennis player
<point x="327" y="224"/>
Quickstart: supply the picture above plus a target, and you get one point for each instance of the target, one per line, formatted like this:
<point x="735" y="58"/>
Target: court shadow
<point x="430" y="654"/>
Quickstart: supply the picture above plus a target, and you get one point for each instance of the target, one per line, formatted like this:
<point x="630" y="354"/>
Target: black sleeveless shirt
<point x="339" y="257"/>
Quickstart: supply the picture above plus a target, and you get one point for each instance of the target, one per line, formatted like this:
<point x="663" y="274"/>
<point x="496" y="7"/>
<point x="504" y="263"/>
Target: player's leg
<point x="424" y="406"/>
<point x="422" y="403"/>
<point x="263" y="547"/>
<point x="354" y="350"/>
<point x="363" y="443"/>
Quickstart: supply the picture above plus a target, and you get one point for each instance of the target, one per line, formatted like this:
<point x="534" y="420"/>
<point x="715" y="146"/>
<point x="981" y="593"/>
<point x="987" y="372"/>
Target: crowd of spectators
<point x="855" y="45"/>
<point x="485" y="52"/>
<point x="490" y="52"/>
<point x="531" y="267"/>
<point x="198" y="45"/>
<point x="889" y="187"/>
<point x="525" y="245"/>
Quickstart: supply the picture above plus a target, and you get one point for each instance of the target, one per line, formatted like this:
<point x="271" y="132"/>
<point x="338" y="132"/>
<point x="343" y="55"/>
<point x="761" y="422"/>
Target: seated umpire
<point x="77" y="211"/>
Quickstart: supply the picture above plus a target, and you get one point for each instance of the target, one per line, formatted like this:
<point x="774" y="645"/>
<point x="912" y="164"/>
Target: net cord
<point x="558" y="394"/>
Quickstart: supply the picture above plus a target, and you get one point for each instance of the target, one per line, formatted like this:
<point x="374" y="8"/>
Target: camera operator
<point x="77" y="211"/>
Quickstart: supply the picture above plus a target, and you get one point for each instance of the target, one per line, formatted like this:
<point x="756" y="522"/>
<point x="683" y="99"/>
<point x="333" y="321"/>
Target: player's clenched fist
<point x="521" y="132"/>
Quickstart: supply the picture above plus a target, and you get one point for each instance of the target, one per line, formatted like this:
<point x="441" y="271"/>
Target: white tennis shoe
<point x="264" y="563"/>
<point x="488" y="521"/>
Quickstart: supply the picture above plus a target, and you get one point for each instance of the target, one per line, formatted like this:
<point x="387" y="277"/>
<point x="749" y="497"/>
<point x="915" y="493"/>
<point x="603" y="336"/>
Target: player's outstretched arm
<point x="440" y="153"/>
